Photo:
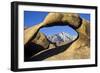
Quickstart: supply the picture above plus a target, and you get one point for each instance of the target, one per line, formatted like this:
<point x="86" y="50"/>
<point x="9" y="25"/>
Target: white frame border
<point x="22" y="64"/>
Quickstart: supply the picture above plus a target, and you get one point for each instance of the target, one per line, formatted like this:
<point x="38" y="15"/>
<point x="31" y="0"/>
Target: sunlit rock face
<point x="80" y="49"/>
<point x="42" y="40"/>
<point x="73" y="19"/>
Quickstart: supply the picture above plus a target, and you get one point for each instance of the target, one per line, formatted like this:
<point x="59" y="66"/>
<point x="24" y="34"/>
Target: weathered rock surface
<point x="52" y="18"/>
<point x="41" y="39"/>
<point x="73" y="19"/>
<point x="80" y="49"/>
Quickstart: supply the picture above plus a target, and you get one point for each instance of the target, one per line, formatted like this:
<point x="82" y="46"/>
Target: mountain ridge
<point x="61" y="37"/>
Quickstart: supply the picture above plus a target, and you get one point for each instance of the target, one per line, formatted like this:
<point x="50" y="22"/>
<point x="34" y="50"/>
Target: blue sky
<point x="33" y="17"/>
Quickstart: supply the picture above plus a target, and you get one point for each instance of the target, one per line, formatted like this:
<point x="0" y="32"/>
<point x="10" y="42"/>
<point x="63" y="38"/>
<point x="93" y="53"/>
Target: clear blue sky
<point x="33" y="17"/>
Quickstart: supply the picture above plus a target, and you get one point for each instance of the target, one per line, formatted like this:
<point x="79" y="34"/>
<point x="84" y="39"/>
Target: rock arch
<point x="79" y="49"/>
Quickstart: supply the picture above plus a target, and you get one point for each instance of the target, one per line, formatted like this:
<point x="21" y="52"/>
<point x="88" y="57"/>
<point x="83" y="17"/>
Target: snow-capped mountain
<point x="61" y="37"/>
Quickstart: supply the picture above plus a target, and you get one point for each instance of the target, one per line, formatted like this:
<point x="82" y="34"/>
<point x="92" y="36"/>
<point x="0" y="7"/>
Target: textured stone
<point x="72" y="19"/>
<point x="52" y="18"/>
<point x="80" y="49"/>
<point x="41" y="40"/>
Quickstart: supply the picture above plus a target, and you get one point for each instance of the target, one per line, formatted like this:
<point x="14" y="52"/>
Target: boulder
<point x="41" y="39"/>
<point x="71" y="18"/>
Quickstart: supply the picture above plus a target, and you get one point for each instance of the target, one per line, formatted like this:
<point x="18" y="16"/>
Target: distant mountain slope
<point x="61" y="37"/>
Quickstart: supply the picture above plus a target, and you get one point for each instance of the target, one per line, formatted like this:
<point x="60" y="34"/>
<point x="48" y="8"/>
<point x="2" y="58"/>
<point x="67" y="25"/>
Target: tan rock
<point x="52" y="18"/>
<point x="72" y="19"/>
<point x="80" y="49"/>
<point x="41" y="40"/>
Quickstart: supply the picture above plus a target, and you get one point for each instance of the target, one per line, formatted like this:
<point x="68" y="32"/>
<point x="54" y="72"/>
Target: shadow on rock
<point x="50" y="52"/>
